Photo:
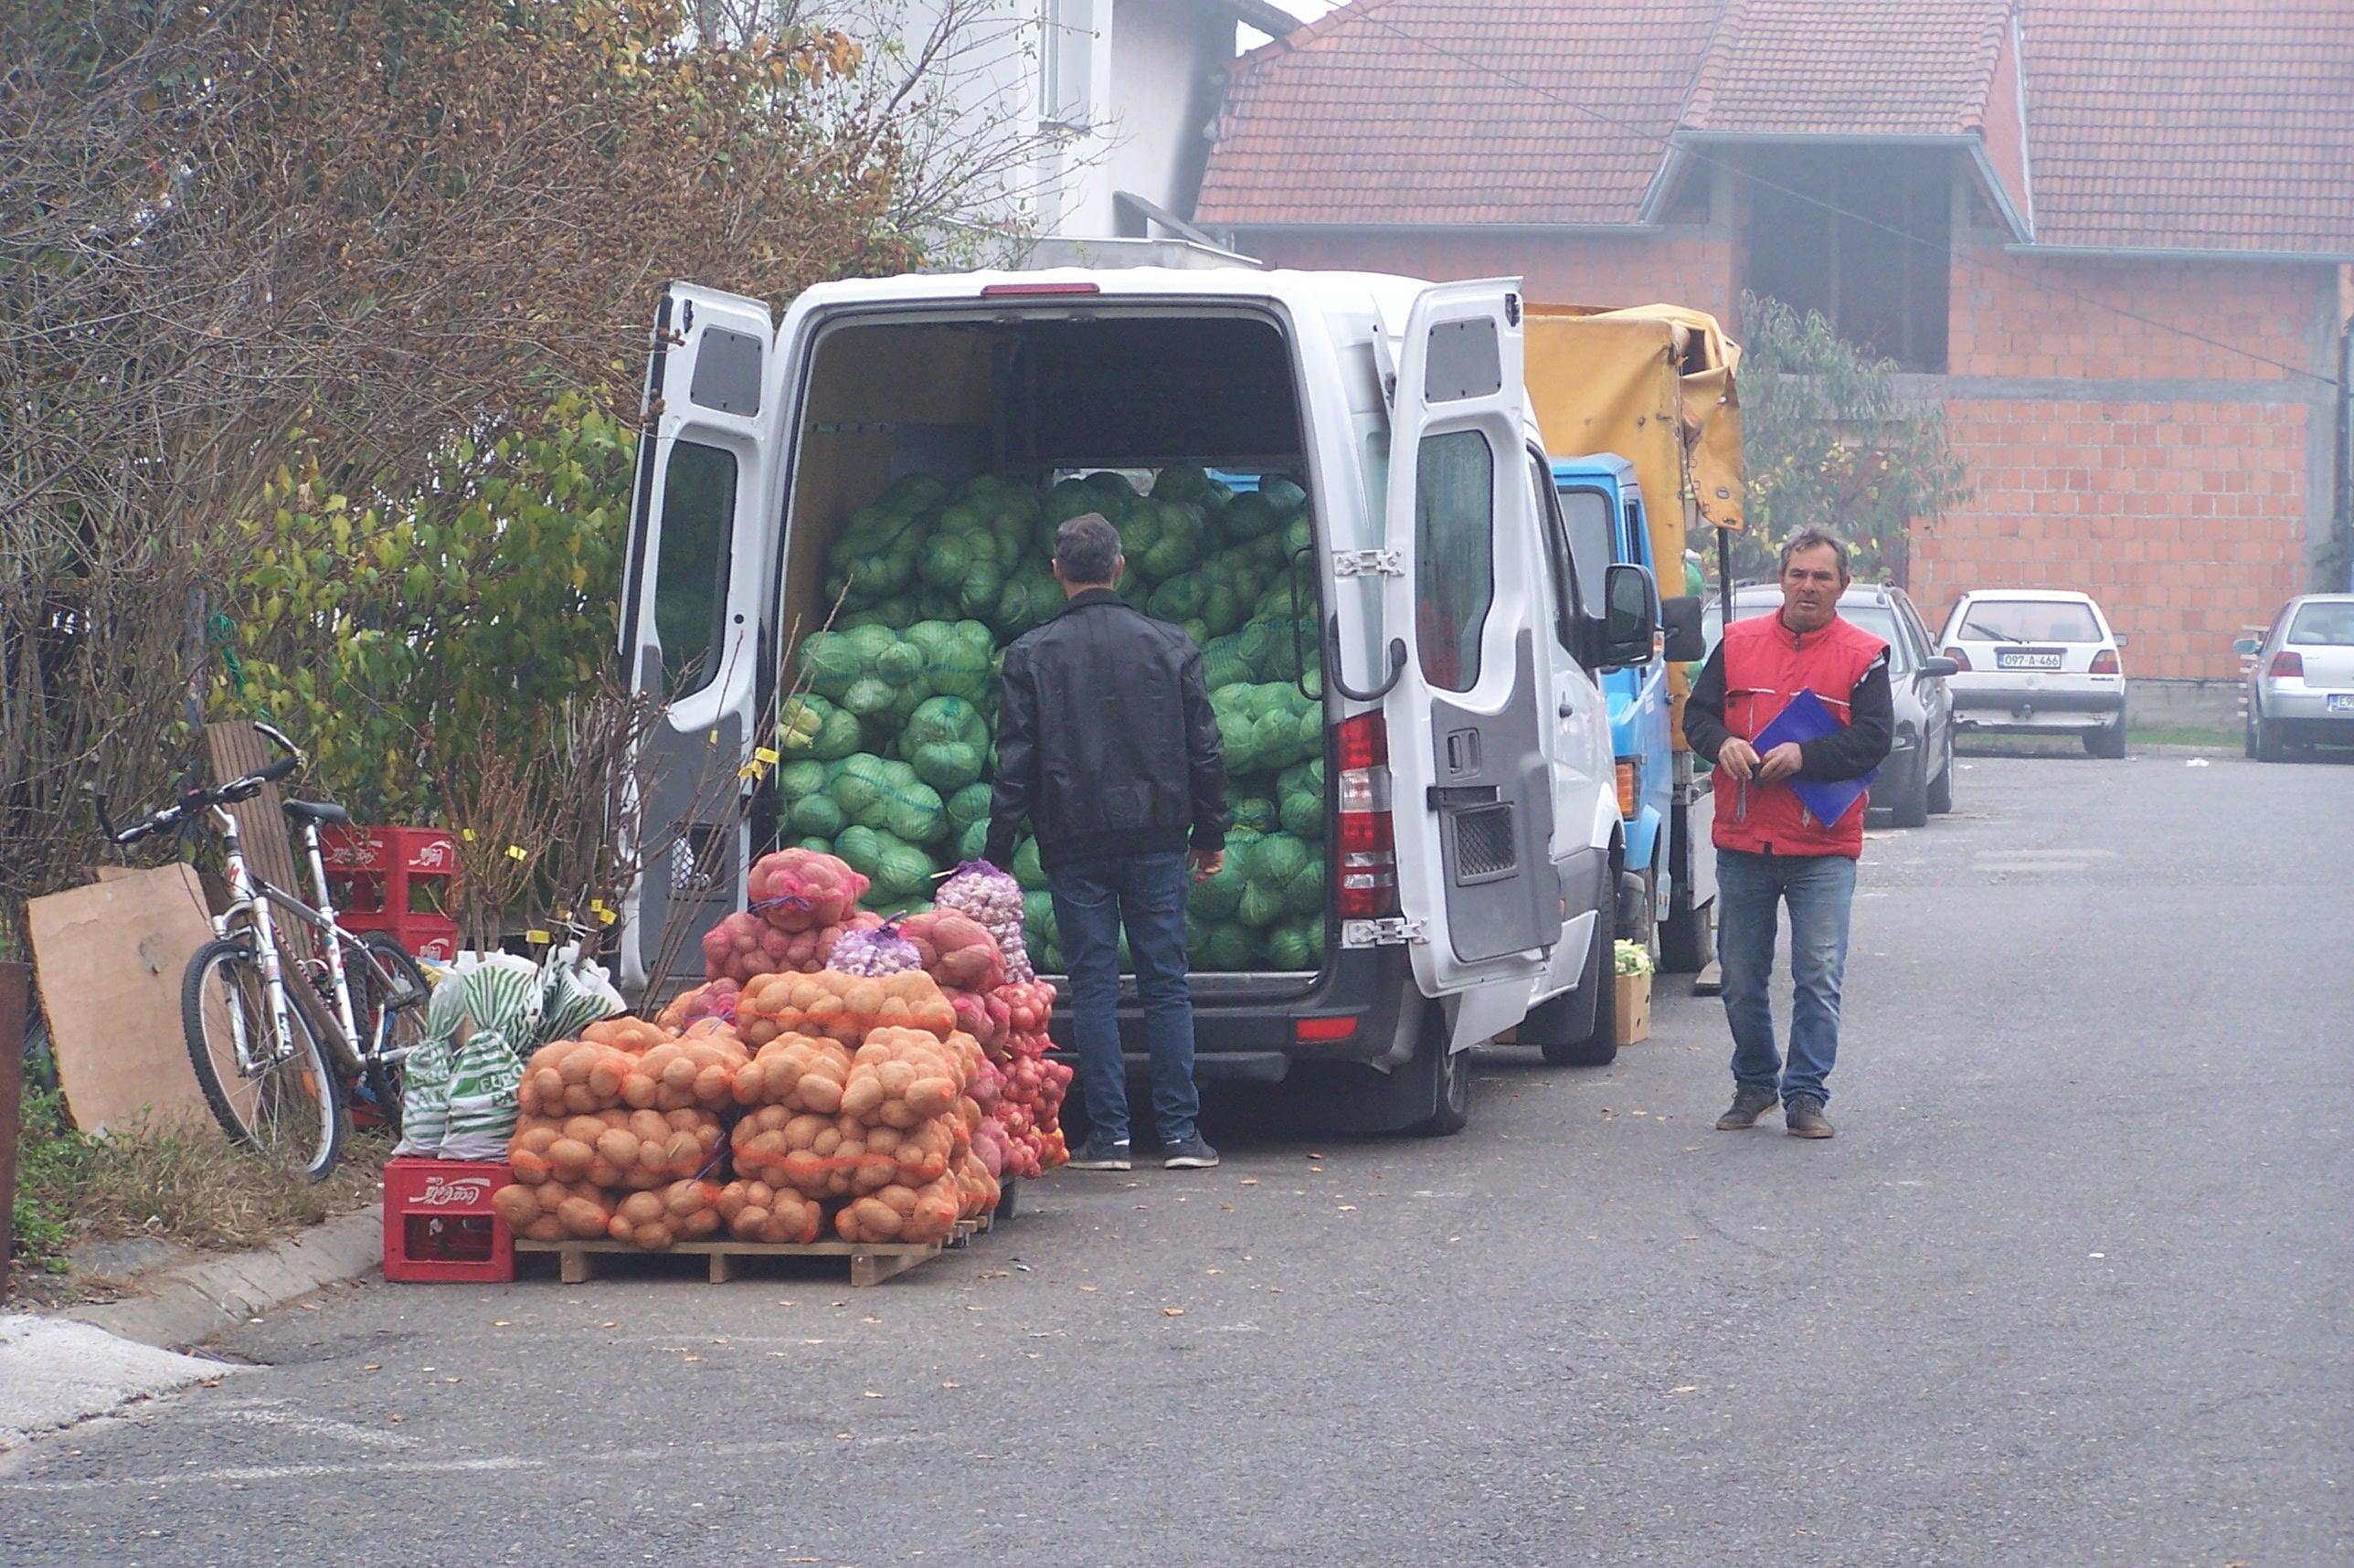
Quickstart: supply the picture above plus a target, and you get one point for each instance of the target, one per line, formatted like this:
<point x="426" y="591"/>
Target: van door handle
<point x="1567" y="709"/>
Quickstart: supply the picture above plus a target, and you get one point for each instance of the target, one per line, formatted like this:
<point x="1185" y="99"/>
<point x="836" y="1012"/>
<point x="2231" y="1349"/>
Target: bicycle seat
<point x="326" y="813"/>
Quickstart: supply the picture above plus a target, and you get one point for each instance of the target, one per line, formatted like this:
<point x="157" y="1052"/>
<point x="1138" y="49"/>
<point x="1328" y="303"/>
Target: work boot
<point x="1804" y="1118"/>
<point x="1750" y="1101"/>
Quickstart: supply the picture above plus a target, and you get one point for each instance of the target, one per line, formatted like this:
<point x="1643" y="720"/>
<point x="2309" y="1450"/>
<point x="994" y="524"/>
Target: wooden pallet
<point x="871" y="1262"/>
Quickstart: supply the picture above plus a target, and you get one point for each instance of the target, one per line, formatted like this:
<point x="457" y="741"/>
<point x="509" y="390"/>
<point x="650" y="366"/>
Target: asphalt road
<point x="2072" y="1286"/>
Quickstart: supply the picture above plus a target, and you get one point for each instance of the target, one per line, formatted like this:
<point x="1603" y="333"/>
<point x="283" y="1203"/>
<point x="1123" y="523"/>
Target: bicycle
<point x="271" y="1059"/>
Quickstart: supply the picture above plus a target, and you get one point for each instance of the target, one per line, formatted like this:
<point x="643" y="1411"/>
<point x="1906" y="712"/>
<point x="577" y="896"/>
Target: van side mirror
<point x="1687" y="634"/>
<point x="1630" y="621"/>
<point x="1937" y="669"/>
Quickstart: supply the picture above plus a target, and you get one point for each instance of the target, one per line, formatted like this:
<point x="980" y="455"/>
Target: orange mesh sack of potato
<point x="840" y="1007"/>
<point x="900" y="1212"/>
<point x="635" y="1035"/>
<point x="553" y="1211"/>
<point x="757" y="1212"/>
<point x="681" y="1212"/>
<point x="903" y="1077"/>
<point x="813" y="1155"/>
<point x="797" y="1071"/>
<point x="639" y="1149"/>
<point x="697" y="1068"/>
<point x="572" y="1077"/>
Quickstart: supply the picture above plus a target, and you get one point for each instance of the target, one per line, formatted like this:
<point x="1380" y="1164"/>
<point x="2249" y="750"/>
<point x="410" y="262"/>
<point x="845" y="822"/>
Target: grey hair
<point x="1815" y="539"/>
<point x="1087" y="550"/>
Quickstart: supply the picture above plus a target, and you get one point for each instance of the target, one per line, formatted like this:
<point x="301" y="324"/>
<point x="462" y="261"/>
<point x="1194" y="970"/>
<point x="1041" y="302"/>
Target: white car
<point x="2037" y="662"/>
<point x="2301" y="683"/>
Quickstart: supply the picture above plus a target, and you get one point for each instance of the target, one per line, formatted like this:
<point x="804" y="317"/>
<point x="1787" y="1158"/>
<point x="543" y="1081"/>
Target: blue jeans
<point x="1750" y="889"/>
<point x="1093" y="899"/>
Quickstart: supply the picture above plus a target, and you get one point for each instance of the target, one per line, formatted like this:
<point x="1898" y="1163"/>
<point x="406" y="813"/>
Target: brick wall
<point x="2185" y="520"/>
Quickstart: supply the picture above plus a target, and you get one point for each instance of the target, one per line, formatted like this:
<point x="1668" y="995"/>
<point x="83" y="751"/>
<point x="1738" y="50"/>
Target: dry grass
<point x="185" y="1183"/>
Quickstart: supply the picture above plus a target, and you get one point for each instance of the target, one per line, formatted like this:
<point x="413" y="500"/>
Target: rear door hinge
<point x="1368" y="564"/>
<point x="1390" y="933"/>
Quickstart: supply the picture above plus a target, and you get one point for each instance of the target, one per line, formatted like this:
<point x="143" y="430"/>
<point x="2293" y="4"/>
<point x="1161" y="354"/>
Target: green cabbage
<point x="817" y="816"/>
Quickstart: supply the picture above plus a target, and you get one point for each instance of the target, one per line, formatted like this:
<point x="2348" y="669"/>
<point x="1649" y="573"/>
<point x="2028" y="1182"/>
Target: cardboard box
<point x="1634" y="1007"/>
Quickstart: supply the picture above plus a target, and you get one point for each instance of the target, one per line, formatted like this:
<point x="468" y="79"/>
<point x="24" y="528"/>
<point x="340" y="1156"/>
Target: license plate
<point x="2026" y="659"/>
<point x="2341" y="702"/>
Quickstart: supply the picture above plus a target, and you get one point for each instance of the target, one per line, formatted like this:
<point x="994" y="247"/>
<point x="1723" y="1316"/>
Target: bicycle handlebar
<point x="244" y="788"/>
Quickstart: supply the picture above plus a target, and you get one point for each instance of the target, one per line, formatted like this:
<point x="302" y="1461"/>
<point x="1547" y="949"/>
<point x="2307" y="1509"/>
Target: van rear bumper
<point x="1246" y="1026"/>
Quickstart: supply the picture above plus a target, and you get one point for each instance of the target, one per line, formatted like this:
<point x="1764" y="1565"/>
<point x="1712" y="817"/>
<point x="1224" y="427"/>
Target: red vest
<point x="1766" y="665"/>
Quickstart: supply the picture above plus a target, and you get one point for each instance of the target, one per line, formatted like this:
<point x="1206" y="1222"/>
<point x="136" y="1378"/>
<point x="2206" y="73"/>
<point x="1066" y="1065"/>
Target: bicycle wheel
<point x="286" y="1107"/>
<point x="387" y="1027"/>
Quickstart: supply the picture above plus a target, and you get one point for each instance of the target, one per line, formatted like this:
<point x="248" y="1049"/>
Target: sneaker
<point x="1193" y="1154"/>
<point x="1749" y="1102"/>
<point x="1803" y="1116"/>
<point x="1097" y="1155"/>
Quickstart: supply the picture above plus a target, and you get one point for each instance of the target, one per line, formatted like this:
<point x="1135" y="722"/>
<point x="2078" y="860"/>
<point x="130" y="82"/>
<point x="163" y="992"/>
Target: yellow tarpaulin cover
<point x="1654" y="384"/>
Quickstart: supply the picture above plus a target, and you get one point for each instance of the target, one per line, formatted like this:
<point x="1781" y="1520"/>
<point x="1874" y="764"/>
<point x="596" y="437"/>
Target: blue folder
<point x="1809" y="718"/>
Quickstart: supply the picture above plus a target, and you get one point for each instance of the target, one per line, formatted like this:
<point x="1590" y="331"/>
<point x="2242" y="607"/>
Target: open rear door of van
<point x="1472" y="797"/>
<point x="691" y="615"/>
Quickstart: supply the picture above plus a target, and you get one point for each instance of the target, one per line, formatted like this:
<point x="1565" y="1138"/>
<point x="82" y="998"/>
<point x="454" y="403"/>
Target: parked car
<point x="2301" y="683"/>
<point x="2037" y="662"/>
<point x="1918" y="776"/>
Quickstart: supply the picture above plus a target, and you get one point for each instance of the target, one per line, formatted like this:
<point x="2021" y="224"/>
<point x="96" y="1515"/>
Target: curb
<point x="189" y="1305"/>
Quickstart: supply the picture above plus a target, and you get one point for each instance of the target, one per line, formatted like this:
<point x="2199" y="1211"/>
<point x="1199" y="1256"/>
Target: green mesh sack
<point x="971" y="839"/>
<point x="1257" y="644"/>
<point x="947" y="766"/>
<point x="1304" y="893"/>
<point x="869" y="643"/>
<point x="966" y="665"/>
<point x="1237" y="735"/>
<point x="804" y="776"/>
<point x="830" y="662"/>
<point x="1026" y="869"/>
<point x="1032" y="598"/>
<point x="1139" y="530"/>
<point x="1222" y="664"/>
<point x="860" y="784"/>
<point x="913" y="493"/>
<point x="1180" y="481"/>
<point x="841" y="737"/>
<point x="904" y="869"/>
<point x="1274" y="860"/>
<point x="1182" y="541"/>
<point x="1259" y="813"/>
<point x="911" y="809"/>
<point x="900" y="665"/>
<point x="981" y="586"/>
<point x="817" y="816"/>
<point x="1246" y="517"/>
<point x="815" y="845"/>
<point x="861" y="849"/>
<point x="799" y="721"/>
<point x="1299" y="533"/>
<point x="1038" y="911"/>
<point x="869" y="695"/>
<point x="941" y="721"/>
<point x="1233" y="947"/>
<point x="1217" y="898"/>
<point x="1283" y="492"/>
<point x="1224" y="609"/>
<point x="1178" y="599"/>
<point x="968" y="806"/>
<point x="1300" y="797"/>
<point x="1262" y="906"/>
<point x="944" y="560"/>
<point x="1296" y="945"/>
<point x="1197" y="938"/>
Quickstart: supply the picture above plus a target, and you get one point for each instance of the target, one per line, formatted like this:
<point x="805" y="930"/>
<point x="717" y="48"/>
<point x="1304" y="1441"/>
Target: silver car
<point x="2301" y="683"/>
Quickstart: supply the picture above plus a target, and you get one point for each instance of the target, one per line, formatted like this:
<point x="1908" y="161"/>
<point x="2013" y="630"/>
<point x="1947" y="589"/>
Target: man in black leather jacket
<point x="1105" y="743"/>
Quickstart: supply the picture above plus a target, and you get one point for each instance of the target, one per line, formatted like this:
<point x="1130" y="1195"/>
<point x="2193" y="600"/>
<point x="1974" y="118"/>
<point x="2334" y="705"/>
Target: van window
<point x="1587" y="514"/>
<point x="698" y="513"/>
<point x="1556" y="549"/>
<point x="1455" y="555"/>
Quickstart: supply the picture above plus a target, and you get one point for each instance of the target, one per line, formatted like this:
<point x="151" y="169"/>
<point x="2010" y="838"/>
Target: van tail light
<point x="1367" y="832"/>
<point x="1035" y="291"/>
<point x="2105" y="663"/>
<point x="1323" y="1031"/>
<point x="2287" y="664"/>
<point x="1630" y="784"/>
<point x="1958" y="657"/>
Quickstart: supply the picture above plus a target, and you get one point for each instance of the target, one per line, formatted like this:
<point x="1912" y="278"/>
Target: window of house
<point x="691" y="563"/>
<point x="1066" y="63"/>
<point x="1455" y="555"/>
<point x="1861" y="235"/>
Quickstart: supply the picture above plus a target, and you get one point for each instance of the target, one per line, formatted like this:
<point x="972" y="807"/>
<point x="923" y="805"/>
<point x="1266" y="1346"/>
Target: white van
<point x="1472" y="830"/>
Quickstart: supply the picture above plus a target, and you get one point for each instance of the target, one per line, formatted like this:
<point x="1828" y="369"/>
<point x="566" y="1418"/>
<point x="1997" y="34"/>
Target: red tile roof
<point x="1836" y="67"/>
<point x="2192" y="124"/>
<point x="1404" y="111"/>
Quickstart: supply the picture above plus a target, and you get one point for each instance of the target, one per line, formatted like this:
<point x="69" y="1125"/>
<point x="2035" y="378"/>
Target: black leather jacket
<point x="1104" y="739"/>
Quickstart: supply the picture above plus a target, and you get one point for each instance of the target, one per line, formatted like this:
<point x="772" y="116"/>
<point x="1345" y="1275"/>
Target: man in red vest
<point x="1770" y="848"/>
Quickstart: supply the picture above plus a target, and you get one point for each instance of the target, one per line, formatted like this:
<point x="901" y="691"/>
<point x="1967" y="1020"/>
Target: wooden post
<point x="16" y="995"/>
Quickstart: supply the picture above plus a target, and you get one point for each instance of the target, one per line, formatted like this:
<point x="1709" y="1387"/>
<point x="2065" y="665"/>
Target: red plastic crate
<point x="438" y="1226"/>
<point x="400" y="881"/>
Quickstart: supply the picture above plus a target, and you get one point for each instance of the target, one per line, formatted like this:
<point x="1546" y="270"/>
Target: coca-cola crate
<point x="438" y="1226"/>
<point x="399" y="881"/>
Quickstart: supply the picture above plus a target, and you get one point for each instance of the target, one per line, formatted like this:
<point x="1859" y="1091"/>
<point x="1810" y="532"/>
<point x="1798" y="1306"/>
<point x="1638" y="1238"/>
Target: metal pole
<point x="15" y="996"/>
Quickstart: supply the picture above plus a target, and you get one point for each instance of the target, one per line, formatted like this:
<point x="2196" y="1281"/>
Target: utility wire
<point x="1369" y="15"/>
